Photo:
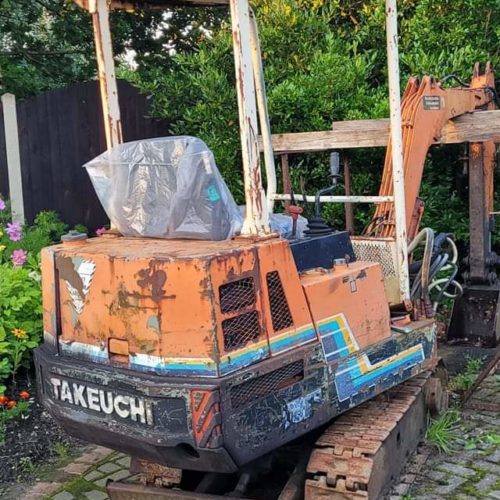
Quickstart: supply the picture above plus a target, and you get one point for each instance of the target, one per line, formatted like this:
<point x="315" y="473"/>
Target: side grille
<point x="266" y="384"/>
<point x="237" y="295"/>
<point x="241" y="329"/>
<point x="280" y="312"/>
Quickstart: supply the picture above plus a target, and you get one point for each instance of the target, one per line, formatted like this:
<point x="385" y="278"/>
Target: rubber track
<point x="348" y="459"/>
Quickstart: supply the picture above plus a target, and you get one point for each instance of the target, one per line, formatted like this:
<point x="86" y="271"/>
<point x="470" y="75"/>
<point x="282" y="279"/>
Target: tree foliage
<point x="324" y="61"/>
<point x="45" y="44"/>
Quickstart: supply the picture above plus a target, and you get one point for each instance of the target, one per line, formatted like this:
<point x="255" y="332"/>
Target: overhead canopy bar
<point x="150" y="4"/>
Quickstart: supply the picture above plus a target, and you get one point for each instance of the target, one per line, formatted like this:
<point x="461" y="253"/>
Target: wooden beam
<point x="473" y="127"/>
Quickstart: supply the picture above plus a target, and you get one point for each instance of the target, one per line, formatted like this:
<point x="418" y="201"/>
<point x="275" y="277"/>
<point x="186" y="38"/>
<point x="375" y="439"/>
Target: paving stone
<point x="95" y="455"/>
<point x="109" y="467"/>
<point x="92" y="475"/>
<point x="465" y="456"/>
<point x="426" y="497"/>
<point x="102" y="482"/>
<point x="401" y="488"/>
<point x="420" y="459"/>
<point x="124" y="462"/>
<point x="96" y="495"/>
<point x="453" y="483"/>
<point x="495" y="457"/>
<point x="487" y="482"/>
<point x="121" y="474"/>
<point x="488" y="466"/>
<point x="64" y="495"/>
<point x="457" y="469"/>
<point x="436" y="475"/>
<point x="41" y="490"/>
<point x="409" y="478"/>
<point x="76" y="468"/>
<point x="116" y="476"/>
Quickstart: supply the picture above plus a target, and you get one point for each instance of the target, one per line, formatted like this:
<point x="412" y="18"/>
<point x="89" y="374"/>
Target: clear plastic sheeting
<point x="283" y="224"/>
<point x="168" y="187"/>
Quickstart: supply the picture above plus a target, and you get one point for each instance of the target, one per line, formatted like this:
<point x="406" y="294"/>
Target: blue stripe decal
<point x="337" y="339"/>
<point x="279" y="345"/>
<point x="356" y="374"/>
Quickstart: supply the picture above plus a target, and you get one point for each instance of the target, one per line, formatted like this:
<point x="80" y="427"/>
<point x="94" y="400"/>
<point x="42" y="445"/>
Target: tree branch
<point x="43" y="53"/>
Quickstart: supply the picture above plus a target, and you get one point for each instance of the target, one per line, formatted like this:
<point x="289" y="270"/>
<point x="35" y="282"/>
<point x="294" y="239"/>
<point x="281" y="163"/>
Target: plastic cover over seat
<point x="167" y="187"/>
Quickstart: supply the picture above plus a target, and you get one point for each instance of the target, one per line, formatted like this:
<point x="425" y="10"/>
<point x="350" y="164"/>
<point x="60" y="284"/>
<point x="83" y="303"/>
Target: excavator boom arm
<point x="426" y="107"/>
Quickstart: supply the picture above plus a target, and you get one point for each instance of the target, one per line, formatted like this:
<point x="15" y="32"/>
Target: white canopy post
<point x="257" y="215"/>
<point x="106" y="72"/>
<point x="397" y="148"/>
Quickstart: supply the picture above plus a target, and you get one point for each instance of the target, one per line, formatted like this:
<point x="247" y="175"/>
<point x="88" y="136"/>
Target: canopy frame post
<point x="398" y="178"/>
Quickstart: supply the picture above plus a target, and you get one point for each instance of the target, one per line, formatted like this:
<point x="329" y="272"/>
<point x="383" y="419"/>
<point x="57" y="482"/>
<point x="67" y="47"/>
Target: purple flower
<point x="101" y="231"/>
<point x="19" y="257"/>
<point x="2" y="204"/>
<point x="14" y="231"/>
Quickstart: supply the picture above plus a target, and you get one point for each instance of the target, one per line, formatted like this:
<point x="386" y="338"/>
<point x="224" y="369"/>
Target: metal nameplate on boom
<point x="432" y="102"/>
<point x="126" y="407"/>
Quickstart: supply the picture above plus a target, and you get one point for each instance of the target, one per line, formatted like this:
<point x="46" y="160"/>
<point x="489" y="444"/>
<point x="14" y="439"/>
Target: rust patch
<point x="154" y="278"/>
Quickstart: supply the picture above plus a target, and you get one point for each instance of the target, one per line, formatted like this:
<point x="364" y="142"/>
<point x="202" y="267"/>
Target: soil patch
<point x="31" y="440"/>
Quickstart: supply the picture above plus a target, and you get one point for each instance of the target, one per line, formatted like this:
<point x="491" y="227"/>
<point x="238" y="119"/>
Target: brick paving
<point x="465" y="474"/>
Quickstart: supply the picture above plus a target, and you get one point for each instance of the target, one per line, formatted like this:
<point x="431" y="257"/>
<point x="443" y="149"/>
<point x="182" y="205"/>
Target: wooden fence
<point x="58" y="132"/>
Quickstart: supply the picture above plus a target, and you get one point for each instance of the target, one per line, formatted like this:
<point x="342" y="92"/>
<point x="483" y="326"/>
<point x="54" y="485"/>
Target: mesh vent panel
<point x="237" y="295"/>
<point x="266" y="384"/>
<point x="376" y="251"/>
<point x="240" y="330"/>
<point x="280" y="312"/>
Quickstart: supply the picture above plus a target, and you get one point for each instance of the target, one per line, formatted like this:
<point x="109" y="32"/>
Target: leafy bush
<point x="20" y="288"/>
<point x="21" y="318"/>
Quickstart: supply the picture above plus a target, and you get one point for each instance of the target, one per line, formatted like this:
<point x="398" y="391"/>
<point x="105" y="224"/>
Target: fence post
<point x="13" y="157"/>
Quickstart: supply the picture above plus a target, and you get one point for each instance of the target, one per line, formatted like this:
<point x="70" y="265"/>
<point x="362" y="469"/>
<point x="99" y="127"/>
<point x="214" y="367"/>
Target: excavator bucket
<point x="476" y="316"/>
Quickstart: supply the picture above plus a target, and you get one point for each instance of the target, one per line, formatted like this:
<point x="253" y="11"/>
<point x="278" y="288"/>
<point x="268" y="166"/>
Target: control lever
<point x="316" y="224"/>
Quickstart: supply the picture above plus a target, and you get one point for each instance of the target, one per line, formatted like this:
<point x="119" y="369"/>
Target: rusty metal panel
<point x="349" y="306"/>
<point x="158" y="295"/>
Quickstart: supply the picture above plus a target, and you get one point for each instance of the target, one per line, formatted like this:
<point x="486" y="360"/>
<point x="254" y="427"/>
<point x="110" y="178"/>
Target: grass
<point x="26" y="466"/>
<point x="60" y="449"/>
<point x="445" y="432"/>
<point x="463" y="381"/>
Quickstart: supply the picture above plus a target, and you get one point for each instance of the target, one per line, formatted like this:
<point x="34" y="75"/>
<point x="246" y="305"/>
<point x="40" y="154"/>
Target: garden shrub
<point x="20" y="318"/>
<point x="20" y="287"/>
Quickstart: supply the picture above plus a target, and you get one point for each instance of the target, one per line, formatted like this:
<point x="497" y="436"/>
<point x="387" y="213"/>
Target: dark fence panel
<point x="61" y="130"/>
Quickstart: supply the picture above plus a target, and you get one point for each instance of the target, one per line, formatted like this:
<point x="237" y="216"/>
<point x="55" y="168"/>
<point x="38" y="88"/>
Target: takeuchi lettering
<point x="103" y="401"/>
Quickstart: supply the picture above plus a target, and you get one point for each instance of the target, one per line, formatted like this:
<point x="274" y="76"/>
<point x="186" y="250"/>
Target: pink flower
<point x="14" y="231"/>
<point x="101" y="231"/>
<point x="19" y="257"/>
<point x="2" y="204"/>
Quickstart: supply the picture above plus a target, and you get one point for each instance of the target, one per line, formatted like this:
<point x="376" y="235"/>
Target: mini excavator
<point x="208" y="355"/>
